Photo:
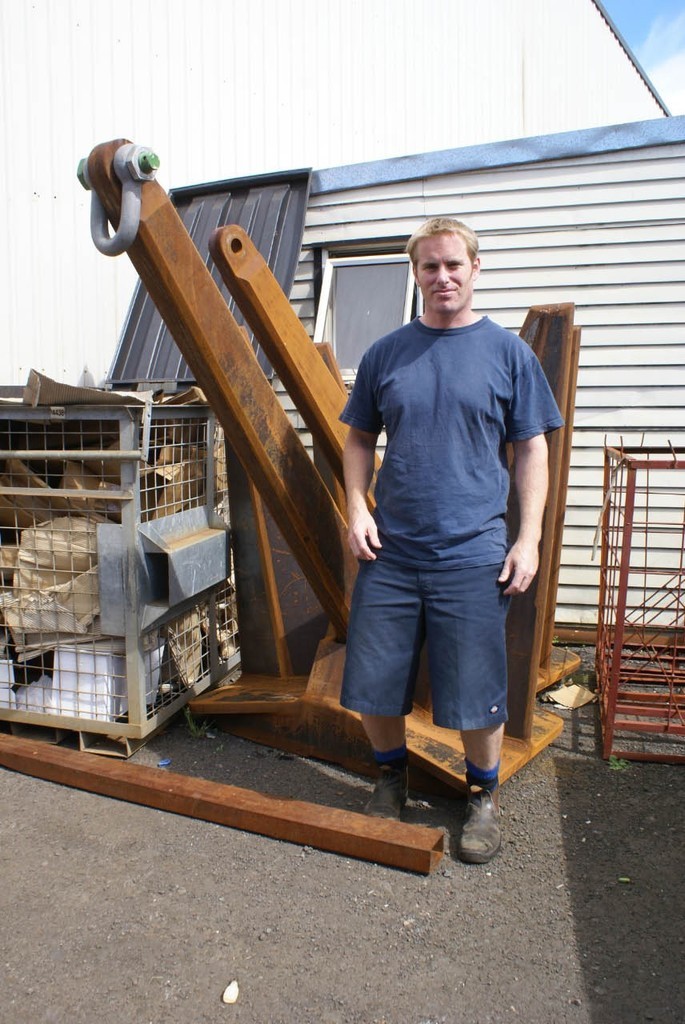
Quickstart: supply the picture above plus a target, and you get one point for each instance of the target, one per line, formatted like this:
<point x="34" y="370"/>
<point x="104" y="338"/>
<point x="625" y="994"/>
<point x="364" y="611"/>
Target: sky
<point x="655" y="32"/>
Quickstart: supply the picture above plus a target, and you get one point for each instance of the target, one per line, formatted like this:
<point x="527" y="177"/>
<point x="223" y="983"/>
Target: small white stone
<point x="230" y="993"/>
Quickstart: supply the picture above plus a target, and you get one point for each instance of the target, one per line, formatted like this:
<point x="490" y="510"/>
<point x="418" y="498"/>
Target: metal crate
<point x="641" y="623"/>
<point x="116" y="604"/>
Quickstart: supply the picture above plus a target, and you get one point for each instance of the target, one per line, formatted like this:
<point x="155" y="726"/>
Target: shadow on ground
<point x="622" y="838"/>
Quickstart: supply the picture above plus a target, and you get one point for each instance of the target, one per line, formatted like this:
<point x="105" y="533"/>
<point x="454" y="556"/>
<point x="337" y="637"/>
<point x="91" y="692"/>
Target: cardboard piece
<point x="55" y="585"/>
<point x="572" y="695"/>
<point x="42" y="390"/>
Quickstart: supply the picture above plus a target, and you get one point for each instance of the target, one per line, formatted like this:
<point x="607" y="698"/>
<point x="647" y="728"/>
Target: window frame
<point x="331" y="262"/>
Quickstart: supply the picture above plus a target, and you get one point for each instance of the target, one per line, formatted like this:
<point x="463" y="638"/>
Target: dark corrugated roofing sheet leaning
<point x="271" y="208"/>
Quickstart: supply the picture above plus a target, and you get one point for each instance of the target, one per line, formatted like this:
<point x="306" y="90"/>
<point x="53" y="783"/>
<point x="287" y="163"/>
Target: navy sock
<point x="397" y="758"/>
<point x="485" y="778"/>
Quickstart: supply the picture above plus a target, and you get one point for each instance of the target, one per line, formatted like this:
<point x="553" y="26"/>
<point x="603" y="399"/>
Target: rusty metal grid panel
<point x="641" y="623"/>
<point x="116" y="598"/>
<point x="271" y="209"/>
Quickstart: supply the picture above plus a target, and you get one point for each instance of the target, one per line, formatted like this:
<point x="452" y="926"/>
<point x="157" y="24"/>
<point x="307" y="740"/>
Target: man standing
<point x="450" y="389"/>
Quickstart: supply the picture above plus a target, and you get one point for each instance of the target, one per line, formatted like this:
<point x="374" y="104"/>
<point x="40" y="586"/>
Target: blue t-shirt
<point x="449" y="401"/>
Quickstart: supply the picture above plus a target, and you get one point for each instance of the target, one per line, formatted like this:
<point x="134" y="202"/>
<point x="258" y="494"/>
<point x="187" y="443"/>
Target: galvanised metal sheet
<point x="224" y="89"/>
<point x="271" y="208"/>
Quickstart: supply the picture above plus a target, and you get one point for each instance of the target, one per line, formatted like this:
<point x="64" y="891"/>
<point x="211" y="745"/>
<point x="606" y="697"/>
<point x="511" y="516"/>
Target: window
<point x="362" y="298"/>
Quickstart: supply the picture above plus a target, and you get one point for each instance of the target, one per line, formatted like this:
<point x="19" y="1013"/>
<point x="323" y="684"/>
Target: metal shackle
<point x="133" y="165"/>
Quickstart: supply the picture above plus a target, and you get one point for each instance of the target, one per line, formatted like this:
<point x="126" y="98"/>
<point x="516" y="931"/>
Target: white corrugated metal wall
<point x="604" y="232"/>
<point x="221" y="88"/>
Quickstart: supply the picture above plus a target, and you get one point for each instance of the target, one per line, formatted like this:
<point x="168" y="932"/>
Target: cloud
<point x="669" y="81"/>
<point x="662" y="55"/>
<point x="666" y="37"/>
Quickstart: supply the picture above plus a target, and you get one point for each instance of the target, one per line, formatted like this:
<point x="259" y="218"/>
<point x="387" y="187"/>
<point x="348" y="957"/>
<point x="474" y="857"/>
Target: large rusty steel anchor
<point x="290" y="510"/>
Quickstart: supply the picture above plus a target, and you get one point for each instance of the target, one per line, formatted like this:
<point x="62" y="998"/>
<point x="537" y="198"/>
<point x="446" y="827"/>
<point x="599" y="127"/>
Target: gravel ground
<point x="115" y="912"/>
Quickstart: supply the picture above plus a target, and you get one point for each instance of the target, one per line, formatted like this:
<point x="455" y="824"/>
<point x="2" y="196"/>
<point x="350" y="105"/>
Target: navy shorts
<point x="460" y="615"/>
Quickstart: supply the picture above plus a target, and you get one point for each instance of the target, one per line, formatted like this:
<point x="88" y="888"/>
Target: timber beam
<point x="411" y="847"/>
<point x="318" y="395"/>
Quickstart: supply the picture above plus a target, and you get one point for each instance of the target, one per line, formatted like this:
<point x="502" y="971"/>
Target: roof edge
<point x="248" y="181"/>
<point x="559" y="146"/>
<point x="631" y="56"/>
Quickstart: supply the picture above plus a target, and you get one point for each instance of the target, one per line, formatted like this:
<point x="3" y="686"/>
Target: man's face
<point x="446" y="276"/>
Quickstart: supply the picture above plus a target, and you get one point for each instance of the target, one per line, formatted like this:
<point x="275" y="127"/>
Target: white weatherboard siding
<point x="605" y="232"/>
<point x="223" y="88"/>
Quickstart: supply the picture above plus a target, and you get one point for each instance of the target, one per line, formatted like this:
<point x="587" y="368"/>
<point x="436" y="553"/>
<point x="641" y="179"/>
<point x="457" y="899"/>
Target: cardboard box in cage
<point x="113" y="519"/>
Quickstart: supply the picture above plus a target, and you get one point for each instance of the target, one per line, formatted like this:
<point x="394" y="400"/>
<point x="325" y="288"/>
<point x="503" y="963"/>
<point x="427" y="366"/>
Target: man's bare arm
<point x="531" y="481"/>
<point x="358" y="467"/>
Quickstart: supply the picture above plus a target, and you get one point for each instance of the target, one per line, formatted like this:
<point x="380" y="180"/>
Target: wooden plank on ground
<point x="411" y="847"/>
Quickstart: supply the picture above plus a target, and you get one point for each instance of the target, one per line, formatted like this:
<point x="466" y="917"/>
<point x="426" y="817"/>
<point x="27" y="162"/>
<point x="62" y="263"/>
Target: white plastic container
<point x="91" y="683"/>
<point x="6" y="683"/>
<point x="36" y="697"/>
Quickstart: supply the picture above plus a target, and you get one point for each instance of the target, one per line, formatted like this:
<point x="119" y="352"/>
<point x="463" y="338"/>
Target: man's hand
<point x="362" y="535"/>
<point x="519" y="569"/>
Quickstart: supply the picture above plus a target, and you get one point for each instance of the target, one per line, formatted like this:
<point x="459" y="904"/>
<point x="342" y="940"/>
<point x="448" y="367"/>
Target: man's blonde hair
<point x="444" y="226"/>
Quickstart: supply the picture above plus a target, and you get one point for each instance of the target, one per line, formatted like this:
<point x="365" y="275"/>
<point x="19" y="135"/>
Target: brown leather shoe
<point x="390" y="793"/>
<point x="481" y="837"/>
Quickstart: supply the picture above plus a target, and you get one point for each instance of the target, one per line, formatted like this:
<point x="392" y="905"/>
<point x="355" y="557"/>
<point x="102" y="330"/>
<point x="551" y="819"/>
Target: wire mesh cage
<point x="116" y="604"/>
<point x="641" y="623"/>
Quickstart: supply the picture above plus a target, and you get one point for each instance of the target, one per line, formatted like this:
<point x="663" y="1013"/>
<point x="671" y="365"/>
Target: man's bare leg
<point x="388" y="737"/>
<point x="483" y="747"/>
<point x="385" y="732"/>
<point x="481" y="837"/>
